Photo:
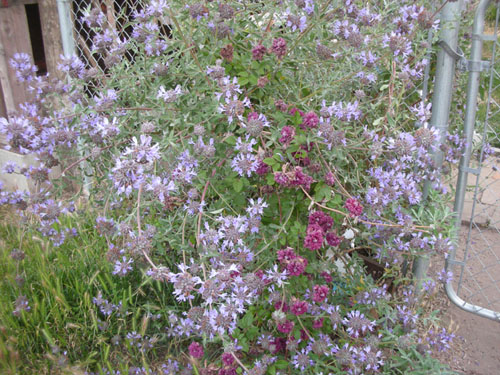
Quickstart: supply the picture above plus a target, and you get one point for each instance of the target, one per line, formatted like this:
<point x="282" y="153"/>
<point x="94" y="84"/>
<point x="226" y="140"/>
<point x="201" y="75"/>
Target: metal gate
<point x="475" y="261"/>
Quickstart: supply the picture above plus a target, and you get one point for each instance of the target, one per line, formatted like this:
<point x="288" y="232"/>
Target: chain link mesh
<point x="478" y="254"/>
<point x="119" y="13"/>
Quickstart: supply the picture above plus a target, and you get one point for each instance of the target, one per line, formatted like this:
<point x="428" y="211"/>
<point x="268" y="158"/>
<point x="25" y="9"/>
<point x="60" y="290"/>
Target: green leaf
<point x="281" y="364"/>
<point x="237" y="185"/>
<point x="297" y="118"/>
<point x="252" y="333"/>
<point x="247" y="320"/>
<point x="269" y="161"/>
<point x="270" y="179"/>
<point x="231" y="140"/>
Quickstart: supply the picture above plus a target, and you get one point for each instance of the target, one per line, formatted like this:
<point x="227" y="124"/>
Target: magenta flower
<point x="299" y="308"/>
<point x="285" y="327"/>
<point x="279" y="47"/>
<point x="311" y="120"/>
<point x="258" y="52"/>
<point x="329" y="179"/>
<point x="281" y="305"/>
<point x="332" y="239"/>
<point x="227" y="359"/>
<point x="320" y="218"/>
<point x="196" y="350"/>
<point x="318" y="323"/>
<point x="326" y="276"/>
<point x="314" y="238"/>
<point x="287" y="134"/>
<point x="320" y="293"/>
<point x="286" y="255"/>
<point x="262" y="168"/>
<point x="296" y="266"/>
<point x="354" y="207"/>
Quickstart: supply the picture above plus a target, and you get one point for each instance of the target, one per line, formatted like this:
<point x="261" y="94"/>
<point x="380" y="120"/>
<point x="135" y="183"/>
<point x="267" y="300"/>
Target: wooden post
<point x="51" y="32"/>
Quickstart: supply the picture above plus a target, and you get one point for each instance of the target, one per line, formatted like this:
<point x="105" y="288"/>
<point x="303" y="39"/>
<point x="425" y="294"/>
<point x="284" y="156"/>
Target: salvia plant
<point x="246" y="160"/>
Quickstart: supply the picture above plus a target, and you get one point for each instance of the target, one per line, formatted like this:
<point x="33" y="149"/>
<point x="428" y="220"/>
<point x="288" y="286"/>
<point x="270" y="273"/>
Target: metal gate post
<point x="69" y="49"/>
<point x="441" y="101"/>
<point x="470" y="119"/>
<point x="68" y="43"/>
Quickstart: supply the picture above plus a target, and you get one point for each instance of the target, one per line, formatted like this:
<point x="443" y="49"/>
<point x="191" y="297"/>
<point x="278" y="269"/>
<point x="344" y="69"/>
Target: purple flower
<point x="105" y="100"/>
<point x="255" y="124"/>
<point x="25" y="70"/>
<point x="21" y="305"/>
<point x="161" y="188"/>
<point x="72" y="65"/>
<point x="357" y="323"/>
<point x="170" y="368"/>
<point x="440" y="340"/>
<point x="256" y="208"/>
<point x="245" y="164"/>
<point x="143" y="152"/>
<point x="276" y="276"/>
<point x="329" y="179"/>
<point x="184" y="283"/>
<point x="126" y="176"/>
<point x="296" y="22"/>
<point x="406" y="317"/>
<point x="445" y="276"/>
<point x="368" y="59"/>
<point x="19" y="133"/>
<point x="245" y="147"/>
<point x="169" y="96"/>
<point x="9" y="167"/>
<point x="301" y="360"/>
<point x="123" y="267"/>
<point x="198" y="11"/>
<point x="370" y="358"/>
<point x="345" y="355"/>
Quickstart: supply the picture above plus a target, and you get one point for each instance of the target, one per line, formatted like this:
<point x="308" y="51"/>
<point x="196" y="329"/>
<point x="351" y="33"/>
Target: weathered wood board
<point x="14" y="38"/>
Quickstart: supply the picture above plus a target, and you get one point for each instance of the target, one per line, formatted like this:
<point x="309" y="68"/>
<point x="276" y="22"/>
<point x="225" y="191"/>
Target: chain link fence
<point x="475" y="262"/>
<point x="118" y="13"/>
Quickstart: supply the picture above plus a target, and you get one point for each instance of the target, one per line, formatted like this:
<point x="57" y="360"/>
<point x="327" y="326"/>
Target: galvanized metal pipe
<point x="69" y="49"/>
<point x="469" y="123"/>
<point x="66" y="25"/>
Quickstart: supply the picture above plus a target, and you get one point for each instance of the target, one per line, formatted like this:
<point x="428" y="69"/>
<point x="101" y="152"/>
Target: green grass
<point x="59" y="285"/>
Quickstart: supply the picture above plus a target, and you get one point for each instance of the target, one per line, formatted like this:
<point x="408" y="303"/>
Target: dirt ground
<point x="476" y="348"/>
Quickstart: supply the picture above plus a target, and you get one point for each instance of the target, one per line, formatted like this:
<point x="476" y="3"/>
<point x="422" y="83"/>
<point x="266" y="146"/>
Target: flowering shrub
<point x="239" y="160"/>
